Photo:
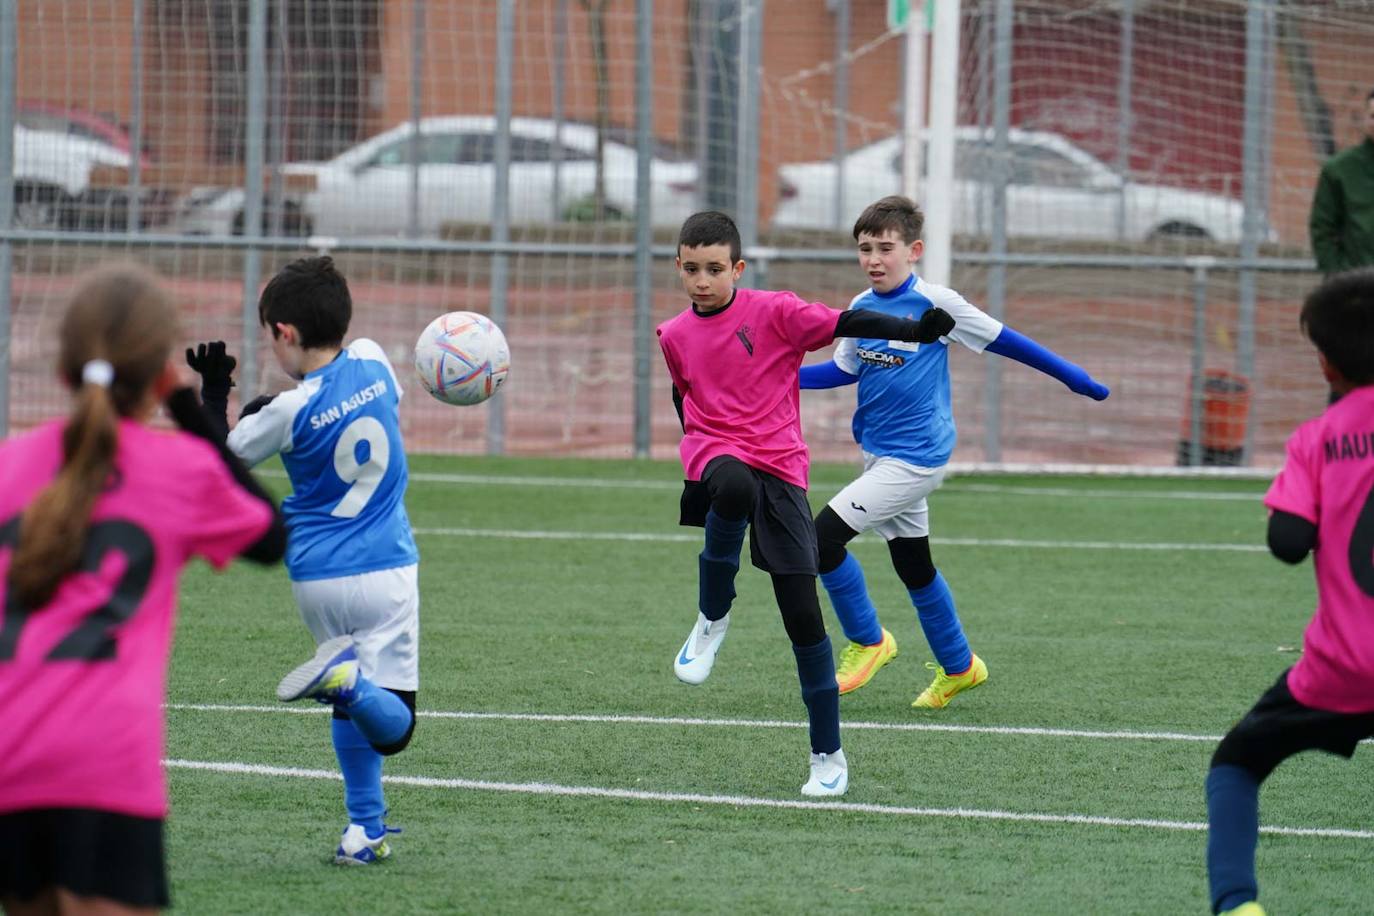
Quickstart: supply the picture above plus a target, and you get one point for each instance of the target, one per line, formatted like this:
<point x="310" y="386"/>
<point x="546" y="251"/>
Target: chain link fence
<point x="1131" y="187"/>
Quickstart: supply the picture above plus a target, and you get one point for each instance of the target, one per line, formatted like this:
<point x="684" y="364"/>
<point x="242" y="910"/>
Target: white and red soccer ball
<point x="462" y="358"/>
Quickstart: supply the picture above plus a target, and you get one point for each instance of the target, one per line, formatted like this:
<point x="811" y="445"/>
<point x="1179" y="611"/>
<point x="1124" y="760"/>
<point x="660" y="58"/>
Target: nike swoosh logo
<point x="684" y="659"/>
<point x="858" y="507"/>
<point x="833" y="783"/>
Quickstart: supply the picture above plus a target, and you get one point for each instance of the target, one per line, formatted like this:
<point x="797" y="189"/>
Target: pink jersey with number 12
<point x="83" y="678"/>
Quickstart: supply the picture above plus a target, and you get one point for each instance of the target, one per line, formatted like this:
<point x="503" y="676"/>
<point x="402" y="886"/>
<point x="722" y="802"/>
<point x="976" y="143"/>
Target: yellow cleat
<point x="944" y="687"/>
<point x="1246" y="909"/>
<point x="858" y="663"/>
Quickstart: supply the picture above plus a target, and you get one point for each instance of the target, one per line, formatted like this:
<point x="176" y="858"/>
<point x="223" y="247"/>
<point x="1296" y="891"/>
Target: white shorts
<point x="889" y="498"/>
<point x="380" y="610"/>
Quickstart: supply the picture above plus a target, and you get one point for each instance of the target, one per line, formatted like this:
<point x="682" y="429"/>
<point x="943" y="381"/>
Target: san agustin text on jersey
<point x="348" y="405"/>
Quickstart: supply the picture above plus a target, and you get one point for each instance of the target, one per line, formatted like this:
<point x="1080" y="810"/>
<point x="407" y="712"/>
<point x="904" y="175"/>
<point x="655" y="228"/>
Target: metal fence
<point x="1126" y="182"/>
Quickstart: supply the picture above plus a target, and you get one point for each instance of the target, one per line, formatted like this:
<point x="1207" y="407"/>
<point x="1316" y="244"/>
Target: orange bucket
<point x="1225" y="409"/>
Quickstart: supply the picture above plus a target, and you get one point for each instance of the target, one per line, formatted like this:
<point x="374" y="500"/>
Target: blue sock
<point x="849" y="596"/>
<point x="820" y="693"/>
<point x="381" y="716"/>
<point x="718" y="564"/>
<point x="940" y="622"/>
<point x="1232" y="834"/>
<point x="362" y="773"/>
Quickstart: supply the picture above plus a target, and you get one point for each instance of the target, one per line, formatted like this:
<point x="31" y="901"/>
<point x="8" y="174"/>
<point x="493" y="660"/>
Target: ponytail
<point x="118" y="310"/>
<point x="53" y="529"/>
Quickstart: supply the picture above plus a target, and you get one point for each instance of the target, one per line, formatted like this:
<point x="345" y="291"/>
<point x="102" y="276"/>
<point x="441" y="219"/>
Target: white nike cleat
<point x="829" y="775"/>
<point x="693" y="663"/>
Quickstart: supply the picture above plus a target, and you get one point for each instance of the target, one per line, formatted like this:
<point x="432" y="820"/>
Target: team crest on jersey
<point x="743" y="335"/>
<point x="880" y="359"/>
<point x="910" y="345"/>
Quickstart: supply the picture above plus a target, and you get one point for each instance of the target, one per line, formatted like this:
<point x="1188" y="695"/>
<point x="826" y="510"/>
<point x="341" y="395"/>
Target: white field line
<point x="1070" y="493"/>
<point x="745" y="801"/>
<point x="1027" y="731"/>
<point x="674" y="537"/>
<point x="610" y="483"/>
<point x="592" y="719"/>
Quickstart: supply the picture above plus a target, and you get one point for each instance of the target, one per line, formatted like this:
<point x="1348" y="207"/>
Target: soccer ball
<point x="462" y="358"/>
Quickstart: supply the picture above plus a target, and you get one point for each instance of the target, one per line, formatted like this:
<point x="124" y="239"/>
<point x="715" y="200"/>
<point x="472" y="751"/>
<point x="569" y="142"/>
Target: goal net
<point x="1125" y="167"/>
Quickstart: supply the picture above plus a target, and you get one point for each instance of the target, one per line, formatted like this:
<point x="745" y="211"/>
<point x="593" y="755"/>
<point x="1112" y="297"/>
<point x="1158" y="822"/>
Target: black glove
<point x="214" y="364"/>
<point x="934" y="324"/>
<point x="186" y="410"/>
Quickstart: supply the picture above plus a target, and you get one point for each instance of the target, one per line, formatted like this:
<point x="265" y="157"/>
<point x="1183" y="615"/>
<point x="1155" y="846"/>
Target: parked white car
<point x="1054" y="189"/>
<point x="365" y="190"/>
<point x="51" y="171"/>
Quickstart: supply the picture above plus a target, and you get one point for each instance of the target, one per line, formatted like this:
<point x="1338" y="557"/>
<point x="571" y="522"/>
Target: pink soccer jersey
<point x="736" y="369"/>
<point x="1328" y="479"/>
<point x="83" y="679"/>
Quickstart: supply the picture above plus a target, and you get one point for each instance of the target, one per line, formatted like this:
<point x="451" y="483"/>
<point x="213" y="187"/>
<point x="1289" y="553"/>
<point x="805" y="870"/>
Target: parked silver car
<point x="365" y="190"/>
<point x="52" y="174"/>
<point x="1054" y="189"/>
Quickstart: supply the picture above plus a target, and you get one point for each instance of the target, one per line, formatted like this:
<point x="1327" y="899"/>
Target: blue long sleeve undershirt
<point x="1017" y="346"/>
<point x="1010" y="344"/>
<point x="825" y="375"/>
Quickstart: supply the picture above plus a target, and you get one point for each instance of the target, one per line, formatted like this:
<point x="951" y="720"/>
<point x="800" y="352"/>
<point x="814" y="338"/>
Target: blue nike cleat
<point x="328" y="677"/>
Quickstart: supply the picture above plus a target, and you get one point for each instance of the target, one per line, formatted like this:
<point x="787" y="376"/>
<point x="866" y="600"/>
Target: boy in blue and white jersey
<point x="904" y="423"/>
<point x="350" y="552"/>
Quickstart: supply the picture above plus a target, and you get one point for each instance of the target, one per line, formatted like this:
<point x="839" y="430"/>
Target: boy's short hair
<point x="1338" y="317"/>
<point x="312" y="295"/>
<point x="710" y="227"/>
<point x="893" y="213"/>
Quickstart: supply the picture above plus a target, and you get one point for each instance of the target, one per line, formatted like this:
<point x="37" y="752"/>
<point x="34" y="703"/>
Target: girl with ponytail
<point x="99" y="512"/>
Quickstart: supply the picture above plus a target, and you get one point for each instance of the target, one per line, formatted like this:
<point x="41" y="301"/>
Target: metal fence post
<point x="747" y="122"/>
<point x="254" y="130"/>
<point x="644" y="231"/>
<point x="560" y="78"/>
<point x="417" y="72"/>
<point x="719" y="152"/>
<point x="1254" y="182"/>
<point x="997" y="249"/>
<point x="841" y="10"/>
<point x="9" y="49"/>
<point x="134" y="211"/>
<point x="500" y="206"/>
<point x="1124" y="113"/>
<point x="1199" y="266"/>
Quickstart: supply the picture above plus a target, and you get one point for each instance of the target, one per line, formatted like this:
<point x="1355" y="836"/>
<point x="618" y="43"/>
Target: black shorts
<point x="782" y="536"/>
<point x="1278" y="726"/>
<point x="89" y="853"/>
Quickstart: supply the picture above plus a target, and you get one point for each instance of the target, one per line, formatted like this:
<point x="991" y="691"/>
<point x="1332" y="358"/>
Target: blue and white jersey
<point x="339" y="435"/>
<point x="904" y="408"/>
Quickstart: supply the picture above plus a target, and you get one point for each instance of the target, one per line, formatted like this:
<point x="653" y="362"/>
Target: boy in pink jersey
<point x="1321" y="502"/>
<point x="733" y="357"/>
<point x="98" y="514"/>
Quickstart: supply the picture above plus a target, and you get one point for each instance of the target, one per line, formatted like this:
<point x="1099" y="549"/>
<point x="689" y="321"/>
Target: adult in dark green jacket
<point x="1342" y="219"/>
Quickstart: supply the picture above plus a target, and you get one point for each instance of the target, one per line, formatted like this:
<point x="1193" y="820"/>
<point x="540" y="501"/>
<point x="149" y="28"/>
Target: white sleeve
<point x="365" y="348"/>
<point x="973" y="327"/>
<point x="846" y="354"/>
<point x="259" y="436"/>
